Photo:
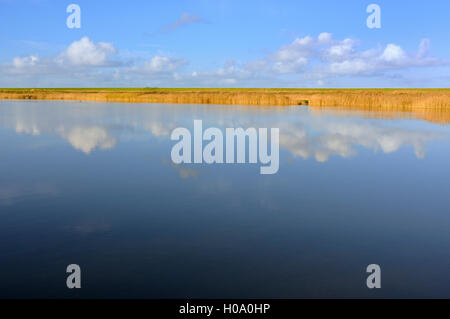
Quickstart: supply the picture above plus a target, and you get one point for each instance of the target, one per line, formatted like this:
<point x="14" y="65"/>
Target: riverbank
<point x="403" y="99"/>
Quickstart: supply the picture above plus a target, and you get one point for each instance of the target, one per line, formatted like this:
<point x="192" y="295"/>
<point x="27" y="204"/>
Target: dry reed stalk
<point x="406" y="100"/>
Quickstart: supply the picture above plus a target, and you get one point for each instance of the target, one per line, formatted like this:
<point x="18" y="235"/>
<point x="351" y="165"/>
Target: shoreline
<point x="396" y="99"/>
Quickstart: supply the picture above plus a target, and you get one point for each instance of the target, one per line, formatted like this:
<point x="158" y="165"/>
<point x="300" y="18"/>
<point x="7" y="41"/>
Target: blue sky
<point x="224" y="43"/>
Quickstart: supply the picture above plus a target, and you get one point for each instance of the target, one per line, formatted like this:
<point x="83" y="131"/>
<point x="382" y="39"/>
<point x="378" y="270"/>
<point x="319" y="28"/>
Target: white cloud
<point x="393" y="54"/>
<point x="22" y="62"/>
<point x="87" y="53"/>
<point x="160" y="64"/>
<point x="339" y="51"/>
<point x="350" y="67"/>
<point x="292" y="58"/>
<point x="87" y="61"/>
<point x="325" y="38"/>
<point x="323" y="57"/>
<point x="304" y="60"/>
<point x="350" y="61"/>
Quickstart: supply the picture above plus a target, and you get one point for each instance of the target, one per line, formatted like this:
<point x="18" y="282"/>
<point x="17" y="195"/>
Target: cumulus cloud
<point x="323" y="56"/>
<point x="86" y="61"/>
<point x="304" y="59"/>
<point x="23" y="62"/>
<point x="346" y="59"/>
<point x="228" y="75"/>
<point x="159" y="64"/>
<point x="338" y="51"/>
<point x="291" y="58"/>
<point x="393" y="54"/>
<point x="25" y="65"/>
<point x="87" y="53"/>
<point x="81" y="53"/>
<point x="294" y="57"/>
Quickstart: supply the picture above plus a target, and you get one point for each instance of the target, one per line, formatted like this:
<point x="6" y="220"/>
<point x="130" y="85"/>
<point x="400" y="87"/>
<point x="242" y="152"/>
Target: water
<point x="93" y="184"/>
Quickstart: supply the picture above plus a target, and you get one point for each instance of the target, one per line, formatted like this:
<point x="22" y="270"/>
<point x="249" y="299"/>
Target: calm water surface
<point x="93" y="184"/>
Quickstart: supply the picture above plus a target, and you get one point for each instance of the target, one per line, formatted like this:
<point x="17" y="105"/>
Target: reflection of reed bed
<point x="435" y="115"/>
<point x="389" y="99"/>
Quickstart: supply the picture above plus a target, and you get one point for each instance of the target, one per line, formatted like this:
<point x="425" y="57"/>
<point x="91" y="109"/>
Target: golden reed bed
<point x="430" y="104"/>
